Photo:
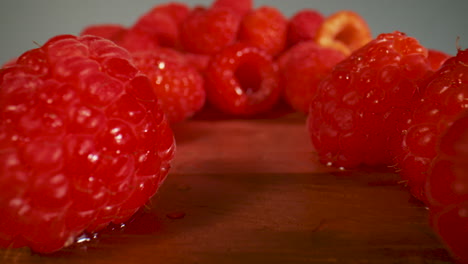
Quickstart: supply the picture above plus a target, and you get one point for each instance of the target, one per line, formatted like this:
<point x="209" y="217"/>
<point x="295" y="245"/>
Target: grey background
<point x="435" y="23"/>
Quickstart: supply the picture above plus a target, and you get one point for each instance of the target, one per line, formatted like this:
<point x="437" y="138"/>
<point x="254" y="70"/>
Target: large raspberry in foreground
<point x="447" y="189"/>
<point x="83" y="142"/>
<point x="361" y="106"/>
<point x="444" y="98"/>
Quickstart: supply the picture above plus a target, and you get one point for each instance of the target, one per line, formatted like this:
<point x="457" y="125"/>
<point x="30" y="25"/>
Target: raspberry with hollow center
<point x="83" y="142"/>
<point x="345" y="31"/>
<point x="361" y="107"/>
<point x="242" y="80"/>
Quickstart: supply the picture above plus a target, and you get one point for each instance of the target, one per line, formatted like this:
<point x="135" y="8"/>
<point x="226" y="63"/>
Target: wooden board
<point x="251" y="191"/>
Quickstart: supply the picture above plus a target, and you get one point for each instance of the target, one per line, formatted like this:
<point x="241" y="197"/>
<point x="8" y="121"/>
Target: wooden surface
<point x="250" y="191"/>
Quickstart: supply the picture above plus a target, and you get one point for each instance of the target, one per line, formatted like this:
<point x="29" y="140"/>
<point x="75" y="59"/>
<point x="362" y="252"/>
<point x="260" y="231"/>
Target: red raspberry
<point x="199" y="61"/>
<point x="116" y="33"/>
<point x="437" y="58"/>
<point x="207" y="31"/>
<point x="303" y="26"/>
<point x="357" y="114"/>
<point x="83" y="142"/>
<point x="135" y="40"/>
<point x="178" y="11"/>
<point x="302" y="67"/>
<point x="113" y="32"/>
<point x="162" y="23"/>
<point x="444" y="98"/>
<point x="178" y="85"/>
<point x="242" y="80"/>
<point x="241" y="7"/>
<point x="132" y="39"/>
<point x="266" y="28"/>
<point x="447" y="189"/>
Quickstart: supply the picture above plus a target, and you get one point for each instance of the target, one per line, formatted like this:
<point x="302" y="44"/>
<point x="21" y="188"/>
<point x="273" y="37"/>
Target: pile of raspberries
<point x="85" y="121"/>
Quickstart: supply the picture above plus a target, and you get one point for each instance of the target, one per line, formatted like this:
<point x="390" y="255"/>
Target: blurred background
<point x="435" y="23"/>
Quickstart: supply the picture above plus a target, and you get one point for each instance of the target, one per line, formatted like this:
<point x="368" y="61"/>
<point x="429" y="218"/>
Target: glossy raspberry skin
<point x="361" y="106"/>
<point x="266" y="28"/>
<point x="444" y="98"/>
<point x="207" y="31"/>
<point x="447" y="188"/>
<point x="303" y="26"/>
<point x="242" y="80"/>
<point x="83" y="142"/>
<point x="178" y="85"/>
<point x="302" y="68"/>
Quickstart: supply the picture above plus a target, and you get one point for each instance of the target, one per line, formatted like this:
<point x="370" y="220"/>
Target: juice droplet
<point x="86" y="237"/>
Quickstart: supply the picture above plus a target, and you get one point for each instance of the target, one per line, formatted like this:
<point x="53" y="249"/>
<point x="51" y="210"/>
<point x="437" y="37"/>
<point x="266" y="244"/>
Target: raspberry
<point x="83" y="142"/>
<point x="162" y="23"/>
<point x="447" y="182"/>
<point x="303" y="26"/>
<point x="135" y="40"/>
<point x="199" y="61"/>
<point x="443" y="100"/>
<point x="360" y="107"/>
<point x="302" y="67"/>
<point x="240" y="7"/>
<point x="178" y="85"/>
<point x="437" y="58"/>
<point x="178" y="11"/>
<point x="447" y="189"/>
<point x="266" y="28"/>
<point x="207" y="31"/>
<point x="242" y="80"/>
<point x="113" y="32"/>
<point x="345" y="31"/>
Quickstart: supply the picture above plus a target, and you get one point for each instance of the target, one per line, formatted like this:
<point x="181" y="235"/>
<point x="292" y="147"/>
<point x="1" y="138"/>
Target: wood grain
<point x="251" y="191"/>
